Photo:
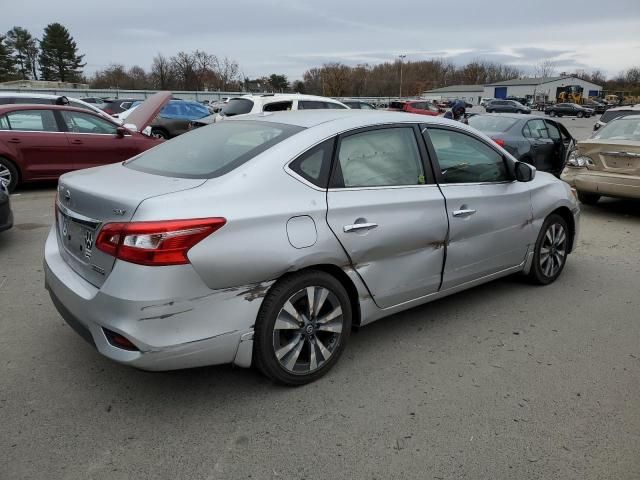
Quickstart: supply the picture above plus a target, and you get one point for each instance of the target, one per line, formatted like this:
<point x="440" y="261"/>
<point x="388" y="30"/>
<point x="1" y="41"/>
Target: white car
<point x="270" y="102"/>
<point x="484" y="101"/>
<point x="41" y="98"/>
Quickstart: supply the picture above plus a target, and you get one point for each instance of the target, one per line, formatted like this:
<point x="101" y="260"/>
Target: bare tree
<point x="227" y="71"/>
<point x="184" y="67"/>
<point x="161" y="72"/>
<point x="545" y="68"/>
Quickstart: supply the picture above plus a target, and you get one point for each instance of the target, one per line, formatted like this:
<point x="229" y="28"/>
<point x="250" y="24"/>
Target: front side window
<point x="213" y="151"/>
<point x="78" y="122"/>
<point x="378" y="158"/>
<point x="80" y="105"/>
<point x="4" y="124"/>
<point x="32" y="121"/>
<point x="464" y="159"/>
<point x="314" y="165"/>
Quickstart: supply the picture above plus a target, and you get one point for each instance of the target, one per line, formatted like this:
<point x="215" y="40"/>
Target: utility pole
<point x="401" y="57"/>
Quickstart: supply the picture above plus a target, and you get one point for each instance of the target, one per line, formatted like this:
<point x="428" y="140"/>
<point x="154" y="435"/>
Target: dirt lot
<point x="502" y="381"/>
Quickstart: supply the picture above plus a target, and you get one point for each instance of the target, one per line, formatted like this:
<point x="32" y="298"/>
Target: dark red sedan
<point x="422" y="107"/>
<point x="41" y="142"/>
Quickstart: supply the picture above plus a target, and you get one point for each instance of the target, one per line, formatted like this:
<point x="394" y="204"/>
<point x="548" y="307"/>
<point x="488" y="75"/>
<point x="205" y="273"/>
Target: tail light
<point x="499" y="141"/>
<point x="155" y="243"/>
<point x="108" y="111"/>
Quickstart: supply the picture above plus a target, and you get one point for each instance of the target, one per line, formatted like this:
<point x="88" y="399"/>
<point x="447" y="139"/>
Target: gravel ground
<point x="502" y="381"/>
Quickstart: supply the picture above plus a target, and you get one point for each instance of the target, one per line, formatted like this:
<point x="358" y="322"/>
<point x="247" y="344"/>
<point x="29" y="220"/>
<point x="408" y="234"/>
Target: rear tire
<point x="302" y="327"/>
<point x="9" y="172"/>
<point x="580" y="114"/>
<point x="550" y="254"/>
<point x="588" y="198"/>
<point x="552" y="113"/>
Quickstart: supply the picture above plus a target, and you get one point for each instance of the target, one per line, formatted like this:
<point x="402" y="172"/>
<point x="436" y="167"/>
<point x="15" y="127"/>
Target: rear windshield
<point x="212" y="151"/>
<point x="490" y="123"/>
<point x="237" y="106"/>
<point x="610" y="115"/>
<point x="621" y="129"/>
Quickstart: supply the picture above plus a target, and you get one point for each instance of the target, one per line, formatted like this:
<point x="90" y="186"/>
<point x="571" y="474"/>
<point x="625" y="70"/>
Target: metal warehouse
<point x="539" y="87"/>
<point x="471" y="93"/>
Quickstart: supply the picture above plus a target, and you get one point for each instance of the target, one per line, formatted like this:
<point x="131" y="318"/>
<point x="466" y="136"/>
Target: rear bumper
<point x="603" y="183"/>
<point x="183" y="325"/>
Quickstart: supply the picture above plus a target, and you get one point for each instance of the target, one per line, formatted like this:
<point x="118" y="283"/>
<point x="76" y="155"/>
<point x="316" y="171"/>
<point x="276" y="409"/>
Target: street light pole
<point x="401" y="57"/>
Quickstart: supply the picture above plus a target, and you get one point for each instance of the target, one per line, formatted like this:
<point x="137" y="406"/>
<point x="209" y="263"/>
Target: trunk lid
<point x="613" y="156"/>
<point x="146" y="112"/>
<point x="87" y="199"/>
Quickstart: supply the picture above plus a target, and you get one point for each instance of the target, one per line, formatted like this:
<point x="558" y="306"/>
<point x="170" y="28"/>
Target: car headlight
<point x="579" y="161"/>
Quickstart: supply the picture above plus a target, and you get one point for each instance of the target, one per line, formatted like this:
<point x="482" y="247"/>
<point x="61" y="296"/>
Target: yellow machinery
<point x="570" y="94"/>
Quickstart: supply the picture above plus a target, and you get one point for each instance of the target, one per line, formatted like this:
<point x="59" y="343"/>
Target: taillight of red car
<point x="156" y="243"/>
<point x="499" y="141"/>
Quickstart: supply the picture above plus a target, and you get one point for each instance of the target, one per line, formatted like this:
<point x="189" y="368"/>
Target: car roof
<point x="30" y="95"/>
<point x="629" y="107"/>
<point x="28" y="106"/>
<point x="354" y="118"/>
<point x="516" y="116"/>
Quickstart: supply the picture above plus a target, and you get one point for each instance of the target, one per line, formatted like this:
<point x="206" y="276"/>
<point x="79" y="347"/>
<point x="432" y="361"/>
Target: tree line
<point x="53" y="57"/>
<point x="56" y="57"/>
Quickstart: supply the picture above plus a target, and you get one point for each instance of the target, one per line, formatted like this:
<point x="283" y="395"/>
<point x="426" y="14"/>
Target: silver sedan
<point x="263" y="240"/>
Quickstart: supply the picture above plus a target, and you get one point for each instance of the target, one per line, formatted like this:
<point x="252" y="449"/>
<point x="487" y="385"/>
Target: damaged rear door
<point x="387" y="212"/>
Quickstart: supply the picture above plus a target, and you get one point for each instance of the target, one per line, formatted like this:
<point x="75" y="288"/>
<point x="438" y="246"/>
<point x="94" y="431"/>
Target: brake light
<point x="108" y="111"/>
<point x="155" y="243"/>
<point x="499" y="141"/>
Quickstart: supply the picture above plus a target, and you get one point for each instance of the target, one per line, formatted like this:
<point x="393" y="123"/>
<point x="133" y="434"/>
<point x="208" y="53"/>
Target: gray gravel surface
<point x="502" y="381"/>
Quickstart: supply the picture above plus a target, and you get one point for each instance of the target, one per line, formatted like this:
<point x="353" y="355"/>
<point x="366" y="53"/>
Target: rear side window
<point x="315" y="164"/>
<point x="212" y="151"/>
<point x="32" y="121"/>
<point x="379" y="158"/>
<point x="278" y="107"/>
<point x="33" y="101"/>
<point x="237" y="106"/>
<point x="311" y="105"/>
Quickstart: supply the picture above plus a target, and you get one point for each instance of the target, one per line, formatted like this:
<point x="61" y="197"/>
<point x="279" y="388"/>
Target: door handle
<point x="359" y="226"/>
<point x="14" y="140"/>
<point x="465" y="212"/>
<point x="76" y="142"/>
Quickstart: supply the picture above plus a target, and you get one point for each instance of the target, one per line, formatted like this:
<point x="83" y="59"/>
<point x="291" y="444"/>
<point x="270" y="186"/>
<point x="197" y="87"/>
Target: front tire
<point x="302" y="327"/>
<point x="552" y="113"/>
<point x="588" y="198"/>
<point x="550" y="254"/>
<point x="159" y="133"/>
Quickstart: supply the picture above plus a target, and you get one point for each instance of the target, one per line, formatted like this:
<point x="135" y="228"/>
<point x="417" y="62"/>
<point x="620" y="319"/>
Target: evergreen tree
<point x="7" y="65"/>
<point x="59" y="59"/>
<point x="26" y="50"/>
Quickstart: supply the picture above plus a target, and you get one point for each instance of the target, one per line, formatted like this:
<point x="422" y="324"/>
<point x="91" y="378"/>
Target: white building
<point x="530" y="87"/>
<point x="470" y="93"/>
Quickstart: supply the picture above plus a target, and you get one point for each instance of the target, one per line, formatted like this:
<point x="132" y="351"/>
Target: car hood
<point x="146" y="112"/>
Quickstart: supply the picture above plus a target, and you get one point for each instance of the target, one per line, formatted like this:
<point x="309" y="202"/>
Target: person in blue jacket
<point x="457" y="111"/>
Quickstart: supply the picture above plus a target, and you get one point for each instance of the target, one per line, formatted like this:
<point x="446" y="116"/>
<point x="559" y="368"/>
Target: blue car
<point x="174" y="118"/>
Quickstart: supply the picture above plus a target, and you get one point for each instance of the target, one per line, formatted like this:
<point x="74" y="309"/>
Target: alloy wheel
<point x="553" y="250"/>
<point x="308" y="330"/>
<point x="5" y="175"/>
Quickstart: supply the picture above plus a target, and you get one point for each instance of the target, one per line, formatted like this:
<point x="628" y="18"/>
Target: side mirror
<point x="121" y="132"/>
<point x="524" y="172"/>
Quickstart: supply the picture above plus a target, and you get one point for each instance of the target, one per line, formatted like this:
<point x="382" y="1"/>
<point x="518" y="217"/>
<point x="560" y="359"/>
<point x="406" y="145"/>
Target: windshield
<point x="212" y="151"/>
<point x="611" y="114"/>
<point x="490" y="123"/>
<point x="237" y="106"/>
<point x="621" y="129"/>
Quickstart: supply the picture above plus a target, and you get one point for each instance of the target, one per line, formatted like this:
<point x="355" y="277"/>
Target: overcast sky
<point x="290" y="36"/>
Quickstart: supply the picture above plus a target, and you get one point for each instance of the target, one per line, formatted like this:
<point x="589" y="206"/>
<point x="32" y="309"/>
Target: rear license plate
<point x="77" y="238"/>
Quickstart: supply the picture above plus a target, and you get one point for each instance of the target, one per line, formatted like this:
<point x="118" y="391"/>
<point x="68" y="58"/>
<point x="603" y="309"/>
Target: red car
<point x="422" y="107"/>
<point x="41" y="142"/>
